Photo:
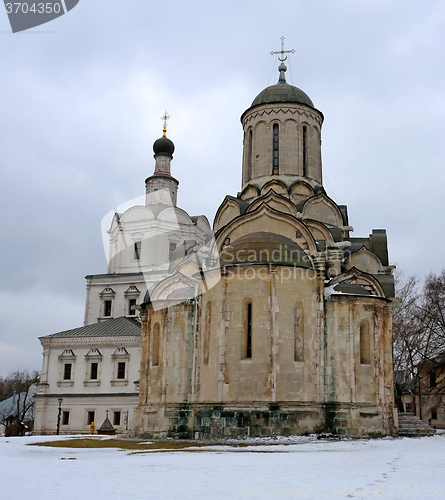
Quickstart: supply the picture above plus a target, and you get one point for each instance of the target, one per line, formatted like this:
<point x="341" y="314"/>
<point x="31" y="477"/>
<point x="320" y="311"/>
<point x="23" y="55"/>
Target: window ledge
<point x="91" y="382"/>
<point x="119" y="382"/>
<point x="65" y="383"/>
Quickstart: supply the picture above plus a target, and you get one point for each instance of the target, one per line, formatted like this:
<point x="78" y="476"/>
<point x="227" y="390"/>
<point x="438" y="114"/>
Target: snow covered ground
<point x="308" y="468"/>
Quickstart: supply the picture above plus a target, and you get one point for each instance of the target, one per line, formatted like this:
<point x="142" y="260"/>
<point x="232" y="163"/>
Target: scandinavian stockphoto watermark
<point x="30" y="13"/>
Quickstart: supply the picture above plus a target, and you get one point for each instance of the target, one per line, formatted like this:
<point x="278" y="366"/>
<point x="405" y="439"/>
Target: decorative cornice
<point x="269" y="109"/>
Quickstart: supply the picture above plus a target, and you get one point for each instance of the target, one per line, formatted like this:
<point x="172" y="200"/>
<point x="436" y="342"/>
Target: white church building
<point x="93" y="371"/>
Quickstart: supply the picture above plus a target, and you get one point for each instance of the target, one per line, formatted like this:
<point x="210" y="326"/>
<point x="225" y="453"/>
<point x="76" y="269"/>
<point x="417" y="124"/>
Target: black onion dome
<point x="263" y="247"/>
<point x="163" y="146"/>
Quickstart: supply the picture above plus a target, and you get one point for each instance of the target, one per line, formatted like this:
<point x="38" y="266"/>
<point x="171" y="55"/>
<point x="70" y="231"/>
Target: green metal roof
<point x="264" y="247"/>
<point x="118" y="327"/>
<point x="282" y="92"/>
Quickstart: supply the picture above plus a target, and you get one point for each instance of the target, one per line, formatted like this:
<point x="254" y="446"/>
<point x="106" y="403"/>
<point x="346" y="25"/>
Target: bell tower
<point x="161" y="187"/>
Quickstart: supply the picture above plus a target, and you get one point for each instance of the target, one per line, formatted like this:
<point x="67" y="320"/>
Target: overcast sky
<point x="81" y="100"/>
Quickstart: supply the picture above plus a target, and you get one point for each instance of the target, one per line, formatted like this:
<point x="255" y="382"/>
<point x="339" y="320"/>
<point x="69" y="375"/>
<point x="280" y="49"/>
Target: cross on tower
<point x="165" y="117"/>
<point x="282" y="51"/>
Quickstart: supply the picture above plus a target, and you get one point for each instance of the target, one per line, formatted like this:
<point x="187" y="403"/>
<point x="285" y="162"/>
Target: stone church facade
<point x="280" y="323"/>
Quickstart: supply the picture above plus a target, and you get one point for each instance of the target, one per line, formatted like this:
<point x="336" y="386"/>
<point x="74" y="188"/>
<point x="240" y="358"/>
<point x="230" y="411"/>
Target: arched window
<point x="276" y="144"/>
<point x="364" y="343"/>
<point x="249" y="155"/>
<point x="298" y="333"/>
<point x="247" y="328"/>
<point x="304" y="150"/>
<point x="207" y="332"/>
<point x="156" y="345"/>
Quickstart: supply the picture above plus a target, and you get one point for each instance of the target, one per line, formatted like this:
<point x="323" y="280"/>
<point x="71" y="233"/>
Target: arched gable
<point x="320" y="232"/>
<point x="227" y="211"/>
<point x="250" y="192"/>
<point x="265" y="218"/>
<point x="300" y="191"/>
<point x="277" y="186"/>
<point x="356" y="277"/>
<point x="171" y="284"/>
<point x="323" y="209"/>
<point x="175" y="214"/>
<point x="364" y="260"/>
<point x="203" y="223"/>
<point x="274" y="200"/>
<point x="136" y="214"/>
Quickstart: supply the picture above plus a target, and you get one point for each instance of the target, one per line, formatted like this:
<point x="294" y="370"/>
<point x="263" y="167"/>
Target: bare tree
<point x="17" y="410"/>
<point x="419" y="340"/>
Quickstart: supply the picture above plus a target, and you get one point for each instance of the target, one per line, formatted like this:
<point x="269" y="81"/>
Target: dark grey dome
<point x="163" y="146"/>
<point x="282" y="92"/>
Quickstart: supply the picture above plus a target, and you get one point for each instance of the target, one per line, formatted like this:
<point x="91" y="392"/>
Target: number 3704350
<point x="35" y="8"/>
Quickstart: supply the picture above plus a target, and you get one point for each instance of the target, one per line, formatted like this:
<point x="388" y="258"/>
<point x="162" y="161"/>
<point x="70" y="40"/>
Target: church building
<point x="93" y="371"/>
<point x="280" y="323"/>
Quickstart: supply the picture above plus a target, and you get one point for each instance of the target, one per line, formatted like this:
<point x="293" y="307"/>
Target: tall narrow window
<point x="131" y="304"/>
<point x="246" y="352"/>
<point x="121" y="370"/>
<point x="304" y="150"/>
<point x="433" y="413"/>
<point x="107" y="307"/>
<point x="65" y="417"/>
<point x="276" y="144"/>
<point x="298" y="333"/>
<point x="364" y="343"/>
<point x="67" y="371"/>
<point x="137" y="250"/>
<point x="433" y="379"/>
<point x="171" y="249"/>
<point x="156" y="340"/>
<point x="90" y="417"/>
<point x="117" y="418"/>
<point x="249" y="155"/>
<point x="207" y="332"/>
<point x="93" y="371"/>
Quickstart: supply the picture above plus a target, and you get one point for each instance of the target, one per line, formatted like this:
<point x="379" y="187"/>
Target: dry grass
<point x="123" y="444"/>
<point x="138" y="446"/>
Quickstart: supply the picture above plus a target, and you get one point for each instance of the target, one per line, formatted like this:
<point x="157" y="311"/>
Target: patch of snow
<point x="294" y="467"/>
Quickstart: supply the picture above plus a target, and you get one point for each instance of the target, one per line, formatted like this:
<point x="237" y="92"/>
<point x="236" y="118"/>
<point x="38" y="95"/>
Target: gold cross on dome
<point x="165" y="117"/>
<point x="282" y="51"/>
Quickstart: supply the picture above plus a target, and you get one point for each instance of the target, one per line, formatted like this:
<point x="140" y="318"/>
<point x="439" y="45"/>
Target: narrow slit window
<point x="156" y="345"/>
<point x="276" y="144"/>
<point x="171" y="249"/>
<point x="364" y="343"/>
<point x="249" y="155"/>
<point x="207" y="332"/>
<point x="298" y="333"/>
<point x="249" y="330"/>
<point x="137" y="250"/>
<point x="304" y="150"/>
